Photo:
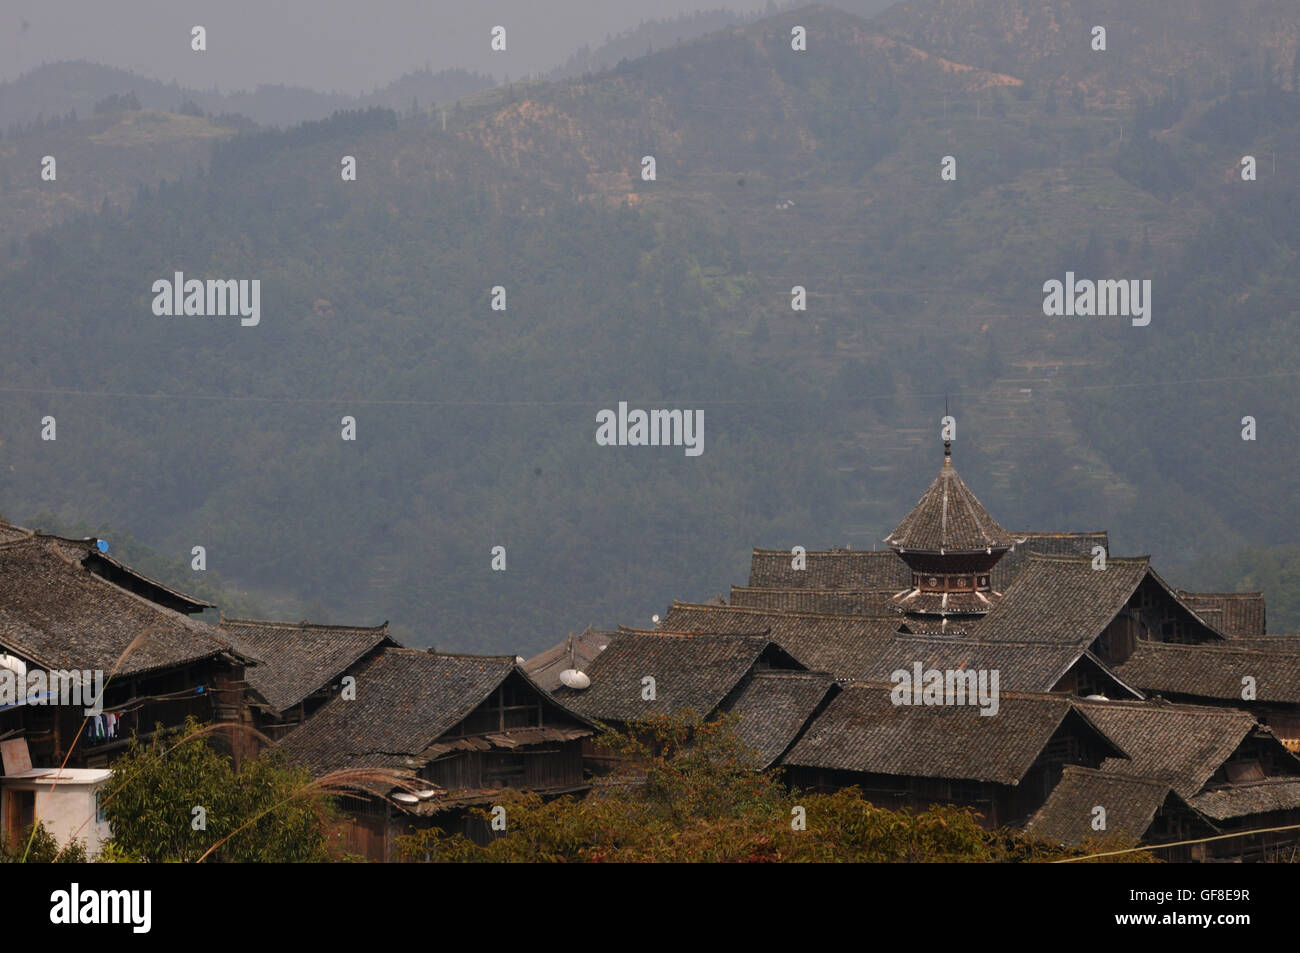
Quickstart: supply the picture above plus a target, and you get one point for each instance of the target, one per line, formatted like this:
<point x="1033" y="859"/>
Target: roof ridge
<point x="818" y="591"/>
<point x="675" y="634"/>
<point x="302" y="624"/>
<point x="791" y="613"/>
<point x="1218" y="595"/>
<point x="828" y="552"/>
<point x="1055" y="697"/>
<point x="1228" y="645"/>
<point x="1163" y="706"/>
<point x="402" y="649"/>
<point x="1080" y="557"/>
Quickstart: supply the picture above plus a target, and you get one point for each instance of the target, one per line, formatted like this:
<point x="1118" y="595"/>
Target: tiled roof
<point x="87" y="552"/>
<point x="575" y="651"/>
<point x="1046" y="544"/>
<point x="946" y="603"/>
<point x="829" y="569"/>
<point x="774" y="706"/>
<point x="58" y="614"/>
<point x="690" y="672"/>
<point x="862" y="730"/>
<point x="1282" y="643"/>
<point x="867" y="570"/>
<point x="1249" y="797"/>
<point x="1181" y="744"/>
<point x="406" y="699"/>
<point x="1239" y="614"/>
<point x="1131" y="803"/>
<point x="1215" y="670"/>
<point x="841" y="645"/>
<point x="949" y="519"/>
<point x="297" y="658"/>
<point x="942" y="626"/>
<point x="1021" y="667"/>
<point x="9" y="532"/>
<point x="823" y="601"/>
<point x="1063" y="599"/>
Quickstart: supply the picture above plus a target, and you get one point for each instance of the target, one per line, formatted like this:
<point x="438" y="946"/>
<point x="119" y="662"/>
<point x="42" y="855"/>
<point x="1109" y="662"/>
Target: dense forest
<point x="475" y="427"/>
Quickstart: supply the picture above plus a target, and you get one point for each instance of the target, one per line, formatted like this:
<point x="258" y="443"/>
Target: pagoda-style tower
<point x="951" y="544"/>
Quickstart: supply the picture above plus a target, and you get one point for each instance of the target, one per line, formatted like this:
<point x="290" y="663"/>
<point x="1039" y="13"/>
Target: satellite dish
<point x="655" y="618"/>
<point x="102" y="545"/>
<point x="406" y="798"/>
<point x="1096" y="698"/>
<point x="426" y="794"/>
<point x="572" y="678"/>
<point x="520" y="659"/>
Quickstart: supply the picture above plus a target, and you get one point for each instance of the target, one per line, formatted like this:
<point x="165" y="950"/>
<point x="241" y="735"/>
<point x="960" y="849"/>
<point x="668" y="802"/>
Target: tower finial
<point x="947" y="442"/>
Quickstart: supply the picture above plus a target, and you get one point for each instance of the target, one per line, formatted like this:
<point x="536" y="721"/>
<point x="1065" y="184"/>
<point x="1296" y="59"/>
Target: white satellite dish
<point x="655" y="618"/>
<point x="1096" y="698"/>
<point x="406" y="798"/>
<point x="520" y="659"/>
<point x="426" y="794"/>
<point x="572" y="678"/>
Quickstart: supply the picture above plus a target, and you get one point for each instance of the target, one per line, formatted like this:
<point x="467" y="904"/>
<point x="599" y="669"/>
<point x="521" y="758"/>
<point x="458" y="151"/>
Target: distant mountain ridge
<point x="775" y="169"/>
<point x="58" y="88"/>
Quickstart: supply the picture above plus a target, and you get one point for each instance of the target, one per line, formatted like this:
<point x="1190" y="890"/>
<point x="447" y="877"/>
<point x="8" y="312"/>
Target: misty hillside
<point x="60" y="88"/>
<point x="774" y="169"/>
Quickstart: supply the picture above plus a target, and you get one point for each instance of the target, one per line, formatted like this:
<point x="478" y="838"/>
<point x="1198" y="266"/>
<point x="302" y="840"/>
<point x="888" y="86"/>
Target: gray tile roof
<point x="1046" y="544"/>
<point x="1284" y="643"/>
<point x="866" y="570"/>
<point x="873" y="602"/>
<point x="296" y="659"/>
<point x="774" y="706"/>
<point x="690" y="672"/>
<point x="575" y="651"/>
<point x="1183" y="745"/>
<point x="1063" y="599"/>
<point x="1250" y="797"/>
<point x="841" y="645"/>
<point x="1021" y="667"/>
<point x="829" y="569"/>
<point x="60" y="615"/>
<point x="1215" y="670"/>
<point x="862" y="730"/>
<point x="10" y="532"/>
<point x="1239" y="614"/>
<point x="949" y="519"/>
<point x="1131" y="803"/>
<point x="406" y="699"/>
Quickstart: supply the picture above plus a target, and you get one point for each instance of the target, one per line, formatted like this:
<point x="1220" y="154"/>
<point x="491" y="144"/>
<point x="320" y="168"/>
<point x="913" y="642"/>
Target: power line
<point x="1047" y="387"/>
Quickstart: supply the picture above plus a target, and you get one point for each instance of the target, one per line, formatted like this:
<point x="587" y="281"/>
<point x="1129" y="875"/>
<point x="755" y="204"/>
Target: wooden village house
<point x="448" y="732"/>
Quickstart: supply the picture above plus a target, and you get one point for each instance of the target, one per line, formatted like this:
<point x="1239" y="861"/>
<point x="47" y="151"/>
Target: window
<point x="99" y="807"/>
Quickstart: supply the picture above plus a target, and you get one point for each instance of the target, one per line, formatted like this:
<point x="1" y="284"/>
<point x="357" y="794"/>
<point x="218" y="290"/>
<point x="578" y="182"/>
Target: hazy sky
<point x="345" y="45"/>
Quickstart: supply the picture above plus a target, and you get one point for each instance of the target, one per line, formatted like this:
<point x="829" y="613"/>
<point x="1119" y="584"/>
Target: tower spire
<point x="947" y="444"/>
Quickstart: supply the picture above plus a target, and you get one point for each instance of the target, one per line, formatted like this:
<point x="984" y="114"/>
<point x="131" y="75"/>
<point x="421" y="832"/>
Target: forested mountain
<point x="57" y="89"/>
<point x="475" y="427"/>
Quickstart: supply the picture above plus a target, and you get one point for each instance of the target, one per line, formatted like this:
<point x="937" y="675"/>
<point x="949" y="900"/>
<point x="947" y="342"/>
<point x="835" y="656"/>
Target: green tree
<point x="36" y="845"/>
<point x="687" y="791"/>
<point x="176" y="798"/>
